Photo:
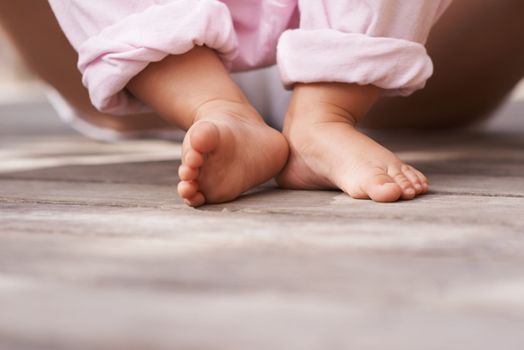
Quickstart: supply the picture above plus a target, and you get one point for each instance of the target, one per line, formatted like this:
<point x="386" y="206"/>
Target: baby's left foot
<point x="328" y="152"/>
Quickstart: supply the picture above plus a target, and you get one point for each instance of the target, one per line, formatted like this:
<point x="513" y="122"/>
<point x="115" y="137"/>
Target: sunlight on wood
<point x="23" y="156"/>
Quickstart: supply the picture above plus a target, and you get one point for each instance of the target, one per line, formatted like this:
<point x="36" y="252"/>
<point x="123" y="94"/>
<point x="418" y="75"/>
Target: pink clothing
<point x="378" y="42"/>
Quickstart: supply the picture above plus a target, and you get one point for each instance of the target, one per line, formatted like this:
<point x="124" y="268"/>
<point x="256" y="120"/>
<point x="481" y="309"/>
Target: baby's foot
<point x="327" y="152"/>
<point x="228" y="150"/>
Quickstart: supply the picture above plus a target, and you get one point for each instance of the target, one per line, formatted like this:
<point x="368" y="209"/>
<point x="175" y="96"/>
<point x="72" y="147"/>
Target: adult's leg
<point x="35" y="33"/>
<point x="478" y="51"/>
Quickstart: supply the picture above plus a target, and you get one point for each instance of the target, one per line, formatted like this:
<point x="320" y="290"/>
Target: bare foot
<point x="327" y="152"/>
<point x="228" y="150"/>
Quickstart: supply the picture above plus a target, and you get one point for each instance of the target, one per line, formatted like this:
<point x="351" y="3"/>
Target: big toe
<point x="204" y="137"/>
<point x="382" y="188"/>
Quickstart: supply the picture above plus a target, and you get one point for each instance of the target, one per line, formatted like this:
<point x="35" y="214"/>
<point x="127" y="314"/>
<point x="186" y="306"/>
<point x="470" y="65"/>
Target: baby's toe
<point x="383" y="188"/>
<point x="408" y="190"/>
<point x="187" y="189"/>
<point x="186" y="173"/>
<point x="193" y="159"/>
<point x="196" y="201"/>
<point x="413" y="178"/>
<point x="204" y="137"/>
<point x="423" y="180"/>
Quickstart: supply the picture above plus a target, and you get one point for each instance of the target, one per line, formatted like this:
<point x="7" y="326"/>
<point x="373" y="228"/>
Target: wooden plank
<point x="192" y="278"/>
<point x="190" y="290"/>
<point x="153" y="208"/>
<point x="78" y="159"/>
<point x="144" y="320"/>
<point x="97" y="251"/>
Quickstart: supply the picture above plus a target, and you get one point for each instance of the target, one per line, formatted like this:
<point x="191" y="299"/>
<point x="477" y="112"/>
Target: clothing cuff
<point x="109" y="60"/>
<point x="325" y="55"/>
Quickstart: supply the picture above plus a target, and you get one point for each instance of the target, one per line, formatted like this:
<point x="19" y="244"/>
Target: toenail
<point x="410" y="191"/>
<point x="418" y="187"/>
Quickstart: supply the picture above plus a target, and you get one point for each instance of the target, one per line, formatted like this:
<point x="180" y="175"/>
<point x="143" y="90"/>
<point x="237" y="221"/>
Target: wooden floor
<point x="97" y="251"/>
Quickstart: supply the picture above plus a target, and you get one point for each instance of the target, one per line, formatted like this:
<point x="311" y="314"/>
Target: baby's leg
<point x="34" y="31"/>
<point x="228" y="148"/>
<point x="478" y="51"/>
<point x="326" y="151"/>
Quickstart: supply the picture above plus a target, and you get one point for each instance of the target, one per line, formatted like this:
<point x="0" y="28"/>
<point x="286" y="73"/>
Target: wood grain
<point x="97" y="251"/>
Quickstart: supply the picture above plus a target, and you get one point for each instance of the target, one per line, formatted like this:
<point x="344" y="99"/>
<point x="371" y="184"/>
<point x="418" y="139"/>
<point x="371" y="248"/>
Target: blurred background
<point x="18" y="85"/>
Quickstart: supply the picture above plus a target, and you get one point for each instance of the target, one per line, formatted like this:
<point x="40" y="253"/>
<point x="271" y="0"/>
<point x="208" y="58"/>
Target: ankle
<point x="179" y="86"/>
<point x="332" y="102"/>
<point x="232" y="107"/>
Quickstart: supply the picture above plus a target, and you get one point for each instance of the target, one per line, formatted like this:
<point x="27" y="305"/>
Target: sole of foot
<point x="227" y="152"/>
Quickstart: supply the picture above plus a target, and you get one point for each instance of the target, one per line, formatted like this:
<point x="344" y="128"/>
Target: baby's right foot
<point x="228" y="150"/>
<point x="327" y="152"/>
